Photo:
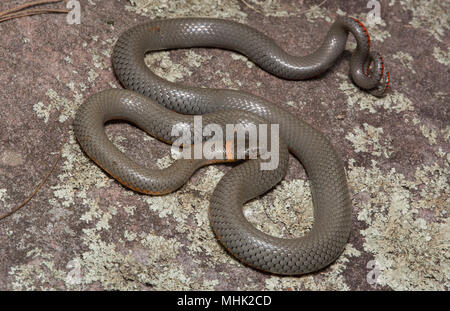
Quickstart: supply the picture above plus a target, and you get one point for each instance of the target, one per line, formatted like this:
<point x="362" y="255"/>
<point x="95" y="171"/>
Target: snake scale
<point x="156" y="105"/>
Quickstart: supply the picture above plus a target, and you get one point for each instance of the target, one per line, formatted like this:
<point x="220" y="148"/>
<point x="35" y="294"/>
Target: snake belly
<point x="155" y="105"/>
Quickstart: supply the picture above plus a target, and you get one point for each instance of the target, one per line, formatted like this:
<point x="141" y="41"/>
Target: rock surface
<point x="85" y="231"/>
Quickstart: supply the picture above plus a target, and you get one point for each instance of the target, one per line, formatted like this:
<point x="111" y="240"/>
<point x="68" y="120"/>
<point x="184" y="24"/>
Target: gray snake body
<point x="152" y="112"/>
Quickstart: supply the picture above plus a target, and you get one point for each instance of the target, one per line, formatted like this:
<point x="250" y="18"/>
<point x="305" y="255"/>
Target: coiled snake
<point x="156" y="105"/>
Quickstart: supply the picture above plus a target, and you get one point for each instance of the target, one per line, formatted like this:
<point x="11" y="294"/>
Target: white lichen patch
<point x="169" y="205"/>
<point x="129" y="209"/>
<point x="92" y="76"/>
<point x="429" y="15"/>
<point x="411" y="251"/>
<point x="394" y="101"/>
<point x="315" y="12"/>
<point x="99" y="61"/>
<point x="66" y="107"/>
<point x="242" y="58"/>
<point x="166" y="205"/>
<point x="192" y="226"/>
<point x="162" y="65"/>
<point x="446" y="133"/>
<point x="105" y="265"/>
<point x="429" y="133"/>
<point x="405" y="59"/>
<point x="209" y="180"/>
<point x="229" y="9"/>
<point x="95" y="213"/>
<point x="69" y="59"/>
<point x="39" y="273"/>
<point x="117" y="140"/>
<point x="227" y="81"/>
<point x="79" y="174"/>
<point x="154" y="244"/>
<point x="170" y="273"/>
<point x="165" y="162"/>
<point x="274" y="8"/>
<point x="194" y="59"/>
<point x="442" y="56"/>
<point x="286" y="212"/>
<point x="102" y="263"/>
<point x="3" y="196"/>
<point x="371" y="139"/>
<point x="130" y="236"/>
<point x="42" y="111"/>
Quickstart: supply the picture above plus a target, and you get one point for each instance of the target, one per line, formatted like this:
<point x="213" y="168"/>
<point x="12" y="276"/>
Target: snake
<point x="156" y="105"/>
